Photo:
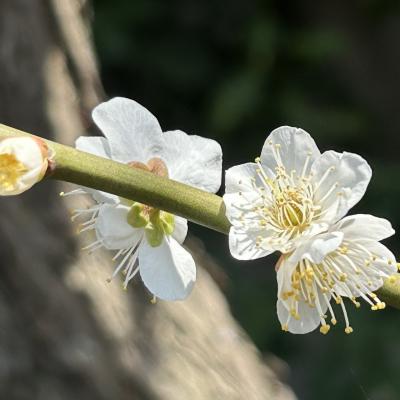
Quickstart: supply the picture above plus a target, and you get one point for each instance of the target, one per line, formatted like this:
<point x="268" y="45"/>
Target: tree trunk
<point x="65" y="332"/>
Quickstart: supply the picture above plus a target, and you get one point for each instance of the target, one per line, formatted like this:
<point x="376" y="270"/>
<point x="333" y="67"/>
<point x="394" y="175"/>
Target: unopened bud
<point x="23" y="162"/>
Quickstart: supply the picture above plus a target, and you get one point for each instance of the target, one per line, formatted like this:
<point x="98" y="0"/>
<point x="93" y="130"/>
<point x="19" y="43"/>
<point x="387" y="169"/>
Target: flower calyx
<point x="156" y="223"/>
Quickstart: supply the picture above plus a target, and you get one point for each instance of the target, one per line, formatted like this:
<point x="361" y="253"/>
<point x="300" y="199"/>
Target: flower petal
<point x="384" y="257"/>
<point x="239" y="205"/>
<point x="296" y="146"/>
<point x="168" y="271"/>
<point x="309" y="318"/>
<point x="96" y="145"/>
<point x="284" y="271"/>
<point x="315" y="249"/>
<point x="240" y="178"/>
<point x="102" y="197"/>
<point x="365" y="226"/>
<point x="113" y="229"/>
<point x="246" y="229"/>
<point x="243" y="244"/>
<point x="341" y="180"/>
<point x="193" y="160"/>
<point x="180" y="230"/>
<point x="133" y="133"/>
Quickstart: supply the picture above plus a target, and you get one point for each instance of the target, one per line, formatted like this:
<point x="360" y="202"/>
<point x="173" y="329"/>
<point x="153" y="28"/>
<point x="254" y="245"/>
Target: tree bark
<point x="65" y="332"/>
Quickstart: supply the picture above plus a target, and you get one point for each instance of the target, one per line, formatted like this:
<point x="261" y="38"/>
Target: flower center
<point x="156" y="223"/>
<point x="290" y="205"/>
<point x="10" y="171"/>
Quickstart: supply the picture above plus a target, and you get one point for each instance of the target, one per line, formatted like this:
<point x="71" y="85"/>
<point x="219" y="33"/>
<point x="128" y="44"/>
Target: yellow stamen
<point x="10" y="171"/>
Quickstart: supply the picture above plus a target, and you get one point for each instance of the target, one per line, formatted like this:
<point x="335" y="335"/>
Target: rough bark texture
<point x="65" y="333"/>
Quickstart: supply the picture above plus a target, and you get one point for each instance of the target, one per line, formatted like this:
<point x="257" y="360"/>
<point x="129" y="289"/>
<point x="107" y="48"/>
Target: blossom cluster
<point x="292" y="199"/>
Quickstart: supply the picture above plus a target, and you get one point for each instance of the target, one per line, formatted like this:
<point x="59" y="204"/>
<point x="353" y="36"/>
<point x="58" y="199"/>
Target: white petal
<point x="133" y="133"/>
<point x="113" y="229"/>
<point x="239" y="178"/>
<point x="239" y="205"/>
<point x="193" y="160"/>
<point x="25" y="149"/>
<point x="98" y="146"/>
<point x="388" y="265"/>
<point x="242" y="244"/>
<point x="102" y="197"/>
<point x="94" y="145"/>
<point x="246" y="227"/>
<point x="181" y="228"/>
<point x="284" y="270"/>
<point x="365" y="226"/>
<point x="315" y="249"/>
<point x="309" y="318"/>
<point x="346" y="182"/>
<point x="168" y="271"/>
<point x="296" y="145"/>
<point x="30" y="178"/>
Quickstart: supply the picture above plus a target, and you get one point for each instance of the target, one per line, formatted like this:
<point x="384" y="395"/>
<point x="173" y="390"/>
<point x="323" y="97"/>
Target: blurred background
<point x="231" y="71"/>
<point x="235" y="70"/>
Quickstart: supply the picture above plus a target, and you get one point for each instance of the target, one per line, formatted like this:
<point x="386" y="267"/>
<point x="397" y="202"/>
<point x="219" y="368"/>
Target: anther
<point x="324" y="329"/>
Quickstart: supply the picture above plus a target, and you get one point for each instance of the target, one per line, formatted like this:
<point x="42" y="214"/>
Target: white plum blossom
<point x="291" y="192"/>
<point x="23" y="162"/>
<point x="147" y="240"/>
<point x="292" y="200"/>
<point x="346" y="262"/>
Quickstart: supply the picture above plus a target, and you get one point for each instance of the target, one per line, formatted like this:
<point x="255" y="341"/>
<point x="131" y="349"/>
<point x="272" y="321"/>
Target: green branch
<point x="88" y="170"/>
<point x="196" y="205"/>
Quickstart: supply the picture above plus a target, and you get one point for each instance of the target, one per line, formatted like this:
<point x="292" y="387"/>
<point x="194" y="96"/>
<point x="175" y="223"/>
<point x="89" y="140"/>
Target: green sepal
<point x="135" y="216"/>
<point x="167" y="222"/>
<point x="154" y="235"/>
